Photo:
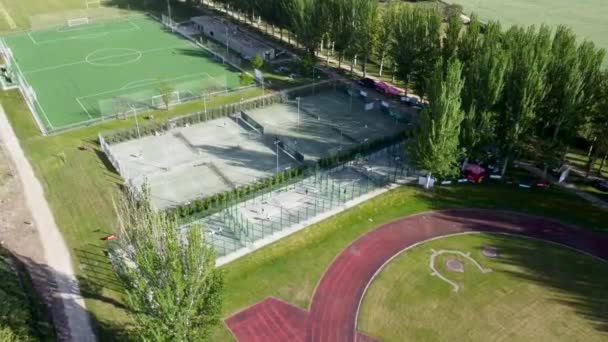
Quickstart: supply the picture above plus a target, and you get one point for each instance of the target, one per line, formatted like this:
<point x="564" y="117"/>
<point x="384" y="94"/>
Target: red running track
<point x="333" y="312"/>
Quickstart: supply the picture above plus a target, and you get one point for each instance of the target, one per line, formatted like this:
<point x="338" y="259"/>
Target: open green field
<point x="586" y="17"/>
<point x="536" y="292"/>
<point x="101" y="69"/>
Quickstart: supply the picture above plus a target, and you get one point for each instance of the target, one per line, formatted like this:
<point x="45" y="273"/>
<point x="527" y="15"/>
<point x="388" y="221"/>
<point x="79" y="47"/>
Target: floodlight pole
<point x="298" y="99"/>
<point x="227" y="43"/>
<point x="205" y="105"/>
<point x="169" y="11"/>
<point x="276" y="142"/>
<point x="313" y="79"/>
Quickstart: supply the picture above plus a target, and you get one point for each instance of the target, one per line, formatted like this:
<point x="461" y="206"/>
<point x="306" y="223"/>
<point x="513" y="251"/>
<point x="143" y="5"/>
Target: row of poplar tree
<point x="499" y="89"/>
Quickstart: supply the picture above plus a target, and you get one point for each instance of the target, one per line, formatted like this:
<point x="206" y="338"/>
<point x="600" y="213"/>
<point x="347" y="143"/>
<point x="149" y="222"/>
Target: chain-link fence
<point x="240" y="225"/>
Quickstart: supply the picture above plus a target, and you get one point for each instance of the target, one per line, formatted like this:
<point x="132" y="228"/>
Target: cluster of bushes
<point x="207" y="205"/>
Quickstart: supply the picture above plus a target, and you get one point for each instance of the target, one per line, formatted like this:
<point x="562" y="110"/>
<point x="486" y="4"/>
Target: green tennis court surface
<point x="103" y="69"/>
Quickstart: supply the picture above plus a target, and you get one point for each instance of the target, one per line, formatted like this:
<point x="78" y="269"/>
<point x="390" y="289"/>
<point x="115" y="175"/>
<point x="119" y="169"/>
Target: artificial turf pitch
<point x="82" y="74"/>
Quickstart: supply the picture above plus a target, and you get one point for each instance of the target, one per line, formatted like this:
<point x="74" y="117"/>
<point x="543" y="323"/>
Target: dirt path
<point x="333" y="311"/>
<point x="51" y="265"/>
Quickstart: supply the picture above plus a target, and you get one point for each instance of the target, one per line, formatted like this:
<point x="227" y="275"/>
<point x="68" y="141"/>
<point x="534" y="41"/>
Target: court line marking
<point x="60" y="66"/>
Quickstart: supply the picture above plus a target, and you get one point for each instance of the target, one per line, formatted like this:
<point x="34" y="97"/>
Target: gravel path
<point x="68" y="309"/>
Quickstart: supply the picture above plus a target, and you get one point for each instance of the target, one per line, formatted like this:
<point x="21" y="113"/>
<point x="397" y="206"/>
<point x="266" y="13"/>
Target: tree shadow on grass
<point x="580" y="284"/>
<point x="574" y="279"/>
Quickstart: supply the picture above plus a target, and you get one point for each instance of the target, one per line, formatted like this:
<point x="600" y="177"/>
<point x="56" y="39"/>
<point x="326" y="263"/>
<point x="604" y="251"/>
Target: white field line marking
<point x="63" y="29"/>
<point x="7" y="17"/>
<point x="38" y="102"/>
<point x="140" y="85"/>
<point x="60" y="66"/>
<point x="134" y="25"/>
<point x="52" y="41"/>
<point x="83" y="107"/>
<point x="29" y="34"/>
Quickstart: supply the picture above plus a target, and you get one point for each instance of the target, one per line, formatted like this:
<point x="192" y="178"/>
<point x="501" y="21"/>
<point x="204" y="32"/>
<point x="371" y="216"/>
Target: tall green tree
<point x="417" y="45"/>
<point x="565" y="95"/>
<point x="525" y="86"/>
<point x="484" y="84"/>
<point x="171" y="284"/>
<point x="385" y="36"/>
<point x="310" y="23"/>
<point x="435" y="148"/>
<point x="470" y="42"/>
<point x="452" y="38"/>
<point x="367" y="26"/>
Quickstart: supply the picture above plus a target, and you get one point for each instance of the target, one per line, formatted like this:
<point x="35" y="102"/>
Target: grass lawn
<point x="586" y="17"/>
<point x="536" y="292"/>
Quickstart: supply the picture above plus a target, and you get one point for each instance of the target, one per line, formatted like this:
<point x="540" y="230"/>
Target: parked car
<point x="534" y="182"/>
<point x="474" y="173"/>
<point x="388" y="89"/>
<point x="367" y="82"/>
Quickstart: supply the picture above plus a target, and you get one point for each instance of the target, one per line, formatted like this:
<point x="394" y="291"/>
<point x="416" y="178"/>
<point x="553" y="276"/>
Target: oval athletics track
<point x="332" y="315"/>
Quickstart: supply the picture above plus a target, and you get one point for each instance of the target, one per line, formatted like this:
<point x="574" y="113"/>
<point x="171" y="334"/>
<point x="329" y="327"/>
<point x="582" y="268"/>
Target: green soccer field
<point x="95" y="71"/>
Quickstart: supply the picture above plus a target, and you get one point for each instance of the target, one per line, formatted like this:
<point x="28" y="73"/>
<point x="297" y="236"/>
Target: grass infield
<point x="535" y="291"/>
<point x="84" y="73"/>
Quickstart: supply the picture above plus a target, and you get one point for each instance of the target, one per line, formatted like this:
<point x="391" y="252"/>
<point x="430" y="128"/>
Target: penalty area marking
<point x="129" y="86"/>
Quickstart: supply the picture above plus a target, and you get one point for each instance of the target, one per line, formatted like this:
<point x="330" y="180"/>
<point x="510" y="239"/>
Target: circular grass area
<point x="535" y="291"/>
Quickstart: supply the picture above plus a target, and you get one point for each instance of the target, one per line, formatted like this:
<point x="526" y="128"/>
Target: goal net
<point x="93" y="3"/>
<point x="78" y="22"/>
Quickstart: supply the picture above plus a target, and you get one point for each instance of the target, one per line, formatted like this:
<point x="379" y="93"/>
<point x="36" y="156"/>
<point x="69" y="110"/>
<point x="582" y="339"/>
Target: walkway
<point x="68" y="309"/>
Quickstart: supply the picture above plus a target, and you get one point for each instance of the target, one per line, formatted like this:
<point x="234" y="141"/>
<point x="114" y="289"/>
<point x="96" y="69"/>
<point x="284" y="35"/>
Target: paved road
<point x="68" y="309"/>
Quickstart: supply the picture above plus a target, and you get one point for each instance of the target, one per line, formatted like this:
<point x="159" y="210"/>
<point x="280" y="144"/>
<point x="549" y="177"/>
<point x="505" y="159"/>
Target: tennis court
<point x="101" y="69"/>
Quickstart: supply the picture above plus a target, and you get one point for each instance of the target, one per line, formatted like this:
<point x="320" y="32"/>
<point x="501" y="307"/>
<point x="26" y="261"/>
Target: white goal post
<point x="93" y="3"/>
<point x="78" y="22"/>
